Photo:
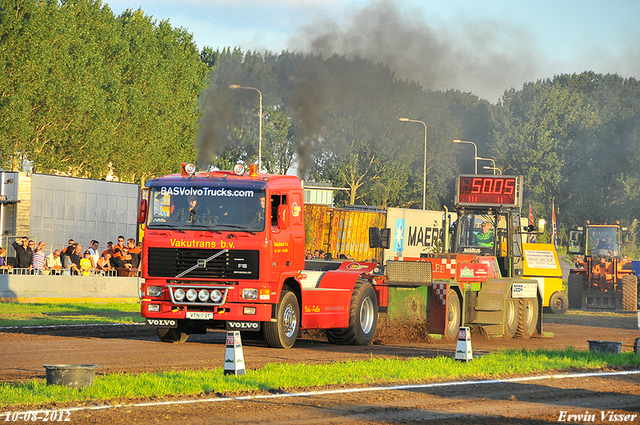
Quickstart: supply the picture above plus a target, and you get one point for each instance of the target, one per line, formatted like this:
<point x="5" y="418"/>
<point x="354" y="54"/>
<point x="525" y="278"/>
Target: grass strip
<point x="289" y="377"/>
<point x="39" y="314"/>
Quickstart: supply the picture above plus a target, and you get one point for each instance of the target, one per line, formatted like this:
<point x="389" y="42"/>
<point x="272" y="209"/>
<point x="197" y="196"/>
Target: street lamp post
<point x="235" y="86"/>
<point x="492" y="161"/>
<point x="424" y="179"/>
<point x="475" y="153"/>
<point x="486" y="167"/>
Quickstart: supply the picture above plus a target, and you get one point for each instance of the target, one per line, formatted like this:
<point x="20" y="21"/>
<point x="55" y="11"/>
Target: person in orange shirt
<point x="109" y="249"/>
<point x="135" y="252"/>
<point x="119" y="246"/>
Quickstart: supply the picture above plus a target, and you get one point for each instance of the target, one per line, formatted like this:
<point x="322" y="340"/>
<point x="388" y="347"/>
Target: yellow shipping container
<point x="342" y="231"/>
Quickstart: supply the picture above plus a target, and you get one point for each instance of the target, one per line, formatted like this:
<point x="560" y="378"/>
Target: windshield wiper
<point x="205" y="226"/>
<point x="171" y="226"/>
<point x="238" y="227"/>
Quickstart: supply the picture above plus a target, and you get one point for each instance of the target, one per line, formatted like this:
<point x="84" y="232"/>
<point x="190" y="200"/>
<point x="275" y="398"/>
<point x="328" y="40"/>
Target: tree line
<point x="84" y="92"/>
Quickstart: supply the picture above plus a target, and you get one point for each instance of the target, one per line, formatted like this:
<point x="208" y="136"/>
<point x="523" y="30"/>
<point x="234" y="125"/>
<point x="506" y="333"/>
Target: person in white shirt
<point x="95" y="254"/>
<point x="52" y="262"/>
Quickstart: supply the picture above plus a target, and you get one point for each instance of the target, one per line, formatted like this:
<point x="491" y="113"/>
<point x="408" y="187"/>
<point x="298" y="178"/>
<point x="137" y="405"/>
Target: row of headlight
<point x="192" y="295"/>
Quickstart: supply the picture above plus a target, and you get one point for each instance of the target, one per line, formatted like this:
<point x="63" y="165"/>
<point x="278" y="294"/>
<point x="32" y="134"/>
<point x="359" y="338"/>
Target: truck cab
<point x="226" y="249"/>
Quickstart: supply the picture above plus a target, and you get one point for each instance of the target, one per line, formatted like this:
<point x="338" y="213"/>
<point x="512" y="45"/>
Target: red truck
<point x="226" y="249"/>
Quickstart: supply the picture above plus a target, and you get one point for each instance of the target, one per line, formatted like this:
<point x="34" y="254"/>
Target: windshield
<point x="603" y="241"/>
<point x="475" y="233"/>
<point x="210" y="208"/>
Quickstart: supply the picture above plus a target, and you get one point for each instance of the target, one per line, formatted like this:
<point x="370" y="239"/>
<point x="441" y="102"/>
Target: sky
<point x="483" y="47"/>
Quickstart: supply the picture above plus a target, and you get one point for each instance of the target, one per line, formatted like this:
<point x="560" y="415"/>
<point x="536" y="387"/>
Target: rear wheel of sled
<point x="511" y="316"/>
<point x="527" y="318"/>
<point x="363" y="317"/>
<point x="453" y="315"/>
<point x="283" y="332"/>
<point x="174" y="335"/>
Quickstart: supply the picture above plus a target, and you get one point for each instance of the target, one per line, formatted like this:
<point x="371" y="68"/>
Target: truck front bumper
<point x="254" y="312"/>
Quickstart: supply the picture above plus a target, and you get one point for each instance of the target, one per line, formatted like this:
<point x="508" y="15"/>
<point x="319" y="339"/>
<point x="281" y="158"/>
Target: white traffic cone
<point x="463" y="348"/>
<point x="233" y="357"/>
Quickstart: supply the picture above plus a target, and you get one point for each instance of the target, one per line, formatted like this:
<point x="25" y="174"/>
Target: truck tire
<point x="283" y="332"/>
<point x="174" y="336"/>
<point x="558" y="303"/>
<point x="629" y="293"/>
<point x="363" y="317"/>
<point x="453" y="316"/>
<point x="511" y="315"/>
<point x="576" y="289"/>
<point x="527" y="318"/>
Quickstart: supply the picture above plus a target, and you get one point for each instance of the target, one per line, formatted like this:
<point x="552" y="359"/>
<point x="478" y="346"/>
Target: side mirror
<point x="541" y="224"/>
<point x="142" y="212"/>
<point x="379" y="238"/>
<point x="283" y="217"/>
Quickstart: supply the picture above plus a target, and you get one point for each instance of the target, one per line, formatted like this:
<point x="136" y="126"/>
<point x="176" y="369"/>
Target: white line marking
<point x="348" y="390"/>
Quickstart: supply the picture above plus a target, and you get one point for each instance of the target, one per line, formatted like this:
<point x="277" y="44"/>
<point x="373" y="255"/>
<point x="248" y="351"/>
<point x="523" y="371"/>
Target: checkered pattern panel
<point x="449" y="266"/>
<point x="440" y="290"/>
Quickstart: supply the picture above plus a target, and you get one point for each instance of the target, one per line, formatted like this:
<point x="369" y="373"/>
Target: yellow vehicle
<point x="490" y="208"/>
<point x="541" y="263"/>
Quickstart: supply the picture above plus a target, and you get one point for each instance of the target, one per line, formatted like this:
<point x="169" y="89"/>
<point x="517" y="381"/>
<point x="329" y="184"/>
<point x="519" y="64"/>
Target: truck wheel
<point x="629" y="293"/>
<point x="558" y="303"/>
<point x="283" y="332"/>
<point x="527" y="318"/>
<point x="511" y="314"/>
<point x="576" y="289"/>
<point x="453" y="316"/>
<point x="363" y="317"/>
<point x="175" y="335"/>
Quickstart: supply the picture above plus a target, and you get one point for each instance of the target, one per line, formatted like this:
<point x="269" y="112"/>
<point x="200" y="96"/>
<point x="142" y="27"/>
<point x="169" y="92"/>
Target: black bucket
<point x="70" y="375"/>
<point x="636" y="346"/>
<point x="605" y="347"/>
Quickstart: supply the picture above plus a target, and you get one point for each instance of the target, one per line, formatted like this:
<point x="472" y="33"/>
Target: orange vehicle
<point x="603" y="278"/>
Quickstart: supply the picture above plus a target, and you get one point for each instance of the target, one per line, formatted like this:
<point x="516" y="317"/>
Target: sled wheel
<point x="283" y="332"/>
<point x="558" y="303"/>
<point x="527" y="317"/>
<point x="453" y="316"/>
<point x="363" y="317"/>
<point x="511" y="314"/>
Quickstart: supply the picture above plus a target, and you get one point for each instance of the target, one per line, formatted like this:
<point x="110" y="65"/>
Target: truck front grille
<point x="233" y="264"/>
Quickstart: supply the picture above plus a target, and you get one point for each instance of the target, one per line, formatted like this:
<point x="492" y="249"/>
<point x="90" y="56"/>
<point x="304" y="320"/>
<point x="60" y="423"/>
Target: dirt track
<point x="135" y="348"/>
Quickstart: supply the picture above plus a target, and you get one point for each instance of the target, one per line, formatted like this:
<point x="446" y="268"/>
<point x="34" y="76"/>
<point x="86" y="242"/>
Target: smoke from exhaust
<point x="483" y="58"/>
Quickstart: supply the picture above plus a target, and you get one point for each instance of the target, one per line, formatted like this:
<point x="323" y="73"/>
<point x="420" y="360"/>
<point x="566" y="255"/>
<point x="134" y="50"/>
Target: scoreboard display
<point x="489" y="190"/>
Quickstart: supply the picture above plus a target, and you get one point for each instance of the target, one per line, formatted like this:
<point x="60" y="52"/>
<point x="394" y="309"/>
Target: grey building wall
<point x="83" y="209"/>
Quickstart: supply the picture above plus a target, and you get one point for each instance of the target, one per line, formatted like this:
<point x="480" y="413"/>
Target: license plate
<point x="199" y="315"/>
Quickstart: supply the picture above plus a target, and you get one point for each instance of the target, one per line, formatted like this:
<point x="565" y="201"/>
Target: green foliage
<point x="84" y="92"/>
<point x="37" y="314"/>
<point x="286" y="376"/>
<point x="575" y="139"/>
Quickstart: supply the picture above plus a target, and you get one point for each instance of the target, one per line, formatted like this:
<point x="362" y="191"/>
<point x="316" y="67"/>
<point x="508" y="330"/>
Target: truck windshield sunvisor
<point x="216" y="208"/>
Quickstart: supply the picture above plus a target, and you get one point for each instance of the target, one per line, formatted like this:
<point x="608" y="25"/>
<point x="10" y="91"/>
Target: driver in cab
<point x="605" y="244"/>
<point x="192" y="213"/>
<point x="484" y="238"/>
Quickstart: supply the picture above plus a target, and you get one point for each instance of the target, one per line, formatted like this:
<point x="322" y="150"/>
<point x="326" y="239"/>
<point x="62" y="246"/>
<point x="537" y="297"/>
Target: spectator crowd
<point x="120" y="259"/>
